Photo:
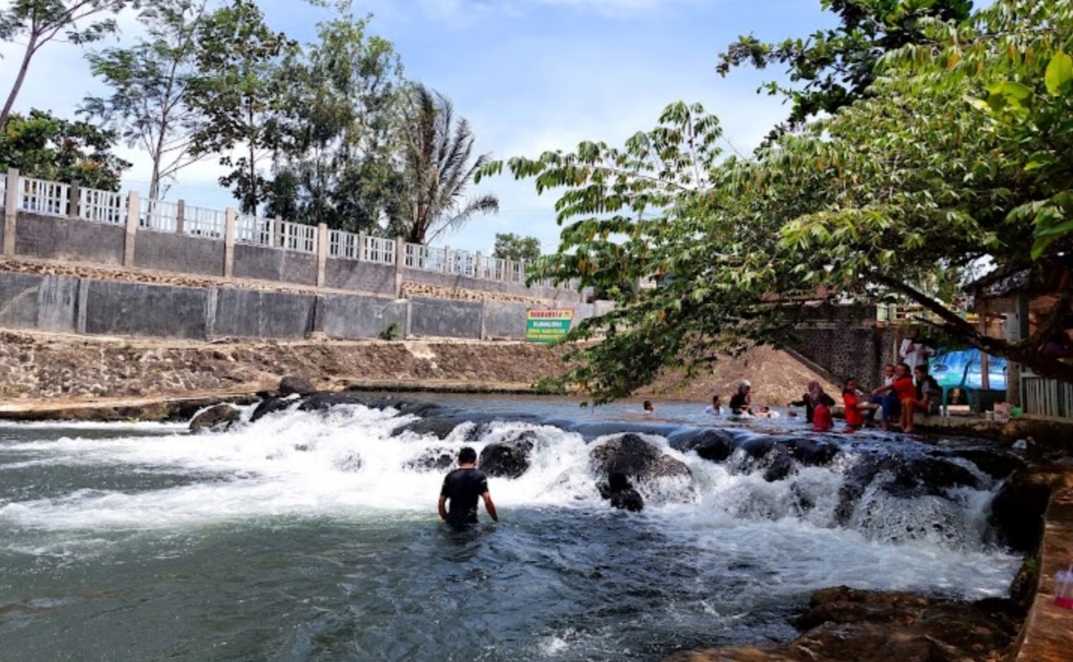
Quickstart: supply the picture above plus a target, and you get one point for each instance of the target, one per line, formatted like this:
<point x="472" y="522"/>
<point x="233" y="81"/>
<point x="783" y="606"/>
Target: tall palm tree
<point x="437" y="152"/>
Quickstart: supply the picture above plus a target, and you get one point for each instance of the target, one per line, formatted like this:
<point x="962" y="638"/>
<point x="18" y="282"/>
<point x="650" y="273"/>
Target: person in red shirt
<point x="855" y="409"/>
<point x="821" y="418"/>
<point x="902" y="388"/>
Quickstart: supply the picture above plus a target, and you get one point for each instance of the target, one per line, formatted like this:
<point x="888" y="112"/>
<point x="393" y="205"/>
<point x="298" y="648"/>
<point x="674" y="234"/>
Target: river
<point x="311" y="536"/>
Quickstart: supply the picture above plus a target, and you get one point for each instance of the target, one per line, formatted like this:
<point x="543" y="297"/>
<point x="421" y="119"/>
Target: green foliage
<point x="36" y="23"/>
<point x="392" y="332"/>
<point x="510" y="246"/>
<point x="958" y="155"/>
<point x="239" y="91"/>
<point x="438" y="165"/>
<point x="334" y="161"/>
<point x="150" y="82"/>
<point x="47" y="147"/>
<point x="833" y="68"/>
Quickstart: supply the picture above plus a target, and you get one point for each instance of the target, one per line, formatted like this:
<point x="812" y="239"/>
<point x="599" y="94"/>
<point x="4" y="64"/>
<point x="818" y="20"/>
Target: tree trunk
<point x="19" y="79"/>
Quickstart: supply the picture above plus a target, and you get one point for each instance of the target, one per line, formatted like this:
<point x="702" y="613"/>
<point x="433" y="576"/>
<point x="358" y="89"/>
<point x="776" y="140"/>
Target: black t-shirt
<point x="738" y="403"/>
<point x="463" y="487"/>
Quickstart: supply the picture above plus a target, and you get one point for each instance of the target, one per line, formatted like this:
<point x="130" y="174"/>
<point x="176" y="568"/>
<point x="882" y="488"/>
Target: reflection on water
<point x="306" y="537"/>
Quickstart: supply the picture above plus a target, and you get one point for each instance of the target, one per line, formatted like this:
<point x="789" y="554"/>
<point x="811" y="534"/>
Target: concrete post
<point x="11" y="210"/>
<point x="134" y="210"/>
<point x="180" y="216"/>
<point x="361" y="247"/>
<point x="446" y="259"/>
<point x="508" y="270"/>
<point x="322" y="253"/>
<point x="400" y="265"/>
<point x="73" y="194"/>
<point x="477" y="266"/>
<point x="277" y="241"/>
<point x="211" y="301"/>
<point x="484" y="307"/>
<point x="83" y="306"/>
<point x="230" y="217"/>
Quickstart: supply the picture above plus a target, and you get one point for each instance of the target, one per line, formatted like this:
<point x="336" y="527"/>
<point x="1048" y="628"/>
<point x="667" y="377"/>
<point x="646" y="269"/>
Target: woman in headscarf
<point x="740" y="402"/>
<point x="812" y="399"/>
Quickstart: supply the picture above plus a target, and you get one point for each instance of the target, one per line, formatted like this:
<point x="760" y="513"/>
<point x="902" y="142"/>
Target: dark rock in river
<point x="714" y="445"/>
<point x="636" y="458"/>
<point x="216" y="419"/>
<point x="848" y="625"/>
<point x="781" y="465"/>
<point x="997" y="464"/>
<point x="508" y="458"/>
<point x="813" y="452"/>
<point x="1018" y="510"/>
<point x="325" y="401"/>
<point x="270" y="406"/>
<point x="433" y="459"/>
<point x="294" y="385"/>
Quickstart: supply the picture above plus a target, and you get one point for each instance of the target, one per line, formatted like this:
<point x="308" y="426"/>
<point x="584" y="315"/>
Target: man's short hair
<point x="467" y="455"/>
<point x="923" y="367"/>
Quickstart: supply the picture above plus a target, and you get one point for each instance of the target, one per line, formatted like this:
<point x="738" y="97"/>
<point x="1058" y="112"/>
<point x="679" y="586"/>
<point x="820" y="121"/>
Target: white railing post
<point x="399" y="265"/>
<point x="446" y="259"/>
<point x="477" y="266"/>
<point x="322" y="253"/>
<point x="11" y="210"/>
<point x="73" y="194"/>
<point x="230" y="216"/>
<point x="134" y="209"/>
<point x="180" y="216"/>
<point x="361" y="247"/>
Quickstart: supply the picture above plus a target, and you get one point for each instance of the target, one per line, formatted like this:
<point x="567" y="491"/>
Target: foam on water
<point x="345" y="464"/>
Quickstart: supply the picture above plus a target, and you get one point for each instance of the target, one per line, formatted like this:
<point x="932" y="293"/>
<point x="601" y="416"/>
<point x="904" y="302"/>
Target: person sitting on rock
<point x="856" y="411"/>
<point x="716" y="408"/>
<point x="621" y="494"/>
<point x="814" y="397"/>
<point x="902" y="389"/>
<point x="741" y="402"/>
<point x="928" y="396"/>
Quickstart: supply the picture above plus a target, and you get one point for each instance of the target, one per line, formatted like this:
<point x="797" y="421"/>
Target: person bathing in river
<point x="648" y="407"/>
<point x="926" y="398"/>
<point x="814" y="397"/>
<point x="741" y="402"/>
<point x="765" y="412"/>
<point x="856" y="411"/>
<point x="716" y="408"/>
<point x="462" y="488"/>
<point x="901" y="389"/>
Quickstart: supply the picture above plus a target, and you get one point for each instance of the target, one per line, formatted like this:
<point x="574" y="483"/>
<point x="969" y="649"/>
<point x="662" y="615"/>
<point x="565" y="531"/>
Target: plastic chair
<point x="948" y="382"/>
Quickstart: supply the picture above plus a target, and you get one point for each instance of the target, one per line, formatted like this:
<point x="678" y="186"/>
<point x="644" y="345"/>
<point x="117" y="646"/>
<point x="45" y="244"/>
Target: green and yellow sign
<point x="547" y="325"/>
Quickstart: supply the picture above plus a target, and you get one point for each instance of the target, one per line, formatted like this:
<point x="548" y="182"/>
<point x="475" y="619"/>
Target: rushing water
<point x="308" y="536"/>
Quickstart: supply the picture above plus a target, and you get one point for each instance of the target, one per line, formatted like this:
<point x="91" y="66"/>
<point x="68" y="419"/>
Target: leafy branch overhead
<point x="958" y="154"/>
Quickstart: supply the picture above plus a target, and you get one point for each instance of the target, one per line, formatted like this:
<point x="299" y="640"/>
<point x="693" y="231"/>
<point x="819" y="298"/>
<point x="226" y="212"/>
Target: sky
<point x="529" y="75"/>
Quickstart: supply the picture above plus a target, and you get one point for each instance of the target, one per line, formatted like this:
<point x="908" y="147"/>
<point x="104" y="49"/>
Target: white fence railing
<point x="43" y="197"/>
<point x="159" y="216"/>
<point x="102" y="206"/>
<point x="1046" y="397"/>
<point x="202" y="222"/>
<point x="255" y="230"/>
<point x="55" y="199"/>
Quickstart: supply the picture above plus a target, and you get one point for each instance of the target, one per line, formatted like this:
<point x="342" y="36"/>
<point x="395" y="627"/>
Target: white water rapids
<point x="92" y="497"/>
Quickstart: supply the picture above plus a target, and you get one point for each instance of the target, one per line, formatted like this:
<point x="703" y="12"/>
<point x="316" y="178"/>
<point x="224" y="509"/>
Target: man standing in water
<point x="462" y="488"/>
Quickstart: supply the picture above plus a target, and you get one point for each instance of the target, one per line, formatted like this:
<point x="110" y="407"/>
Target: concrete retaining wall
<point x="56" y="238"/>
<point x="79" y="305"/>
<point x="275" y="265"/>
<point x="466" y="283"/>
<point x="173" y="252"/>
<point x="366" y="277"/>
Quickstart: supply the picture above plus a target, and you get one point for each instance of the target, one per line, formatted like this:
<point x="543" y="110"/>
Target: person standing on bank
<point x="914" y="353"/>
<point x="462" y="488"/>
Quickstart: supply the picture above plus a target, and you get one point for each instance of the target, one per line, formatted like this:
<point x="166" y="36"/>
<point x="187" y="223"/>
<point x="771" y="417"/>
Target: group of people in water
<point x="904" y="393"/>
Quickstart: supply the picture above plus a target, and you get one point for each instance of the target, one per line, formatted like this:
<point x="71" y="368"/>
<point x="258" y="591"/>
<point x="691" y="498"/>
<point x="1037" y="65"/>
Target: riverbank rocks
<point x="848" y="625"/>
<point x="636" y="459"/>
<point x="433" y="459"/>
<point x="713" y="444"/>
<point x="1018" y="510"/>
<point x="216" y="419"/>
<point x="508" y="458"/>
<point x="294" y="385"/>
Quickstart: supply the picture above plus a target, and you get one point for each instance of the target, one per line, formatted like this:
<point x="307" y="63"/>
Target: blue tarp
<point x="961" y="368"/>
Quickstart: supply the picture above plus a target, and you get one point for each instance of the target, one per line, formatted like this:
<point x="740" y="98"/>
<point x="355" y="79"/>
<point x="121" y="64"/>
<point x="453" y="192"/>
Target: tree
<point x="150" y="84"/>
<point x="958" y="154"/>
<point x="438" y="164"/>
<point x="239" y="92"/>
<point x="42" y="21"/>
<point x="47" y="147"/>
<point x="334" y="163"/>
<point x="835" y="67"/>
<point x="510" y="246"/>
